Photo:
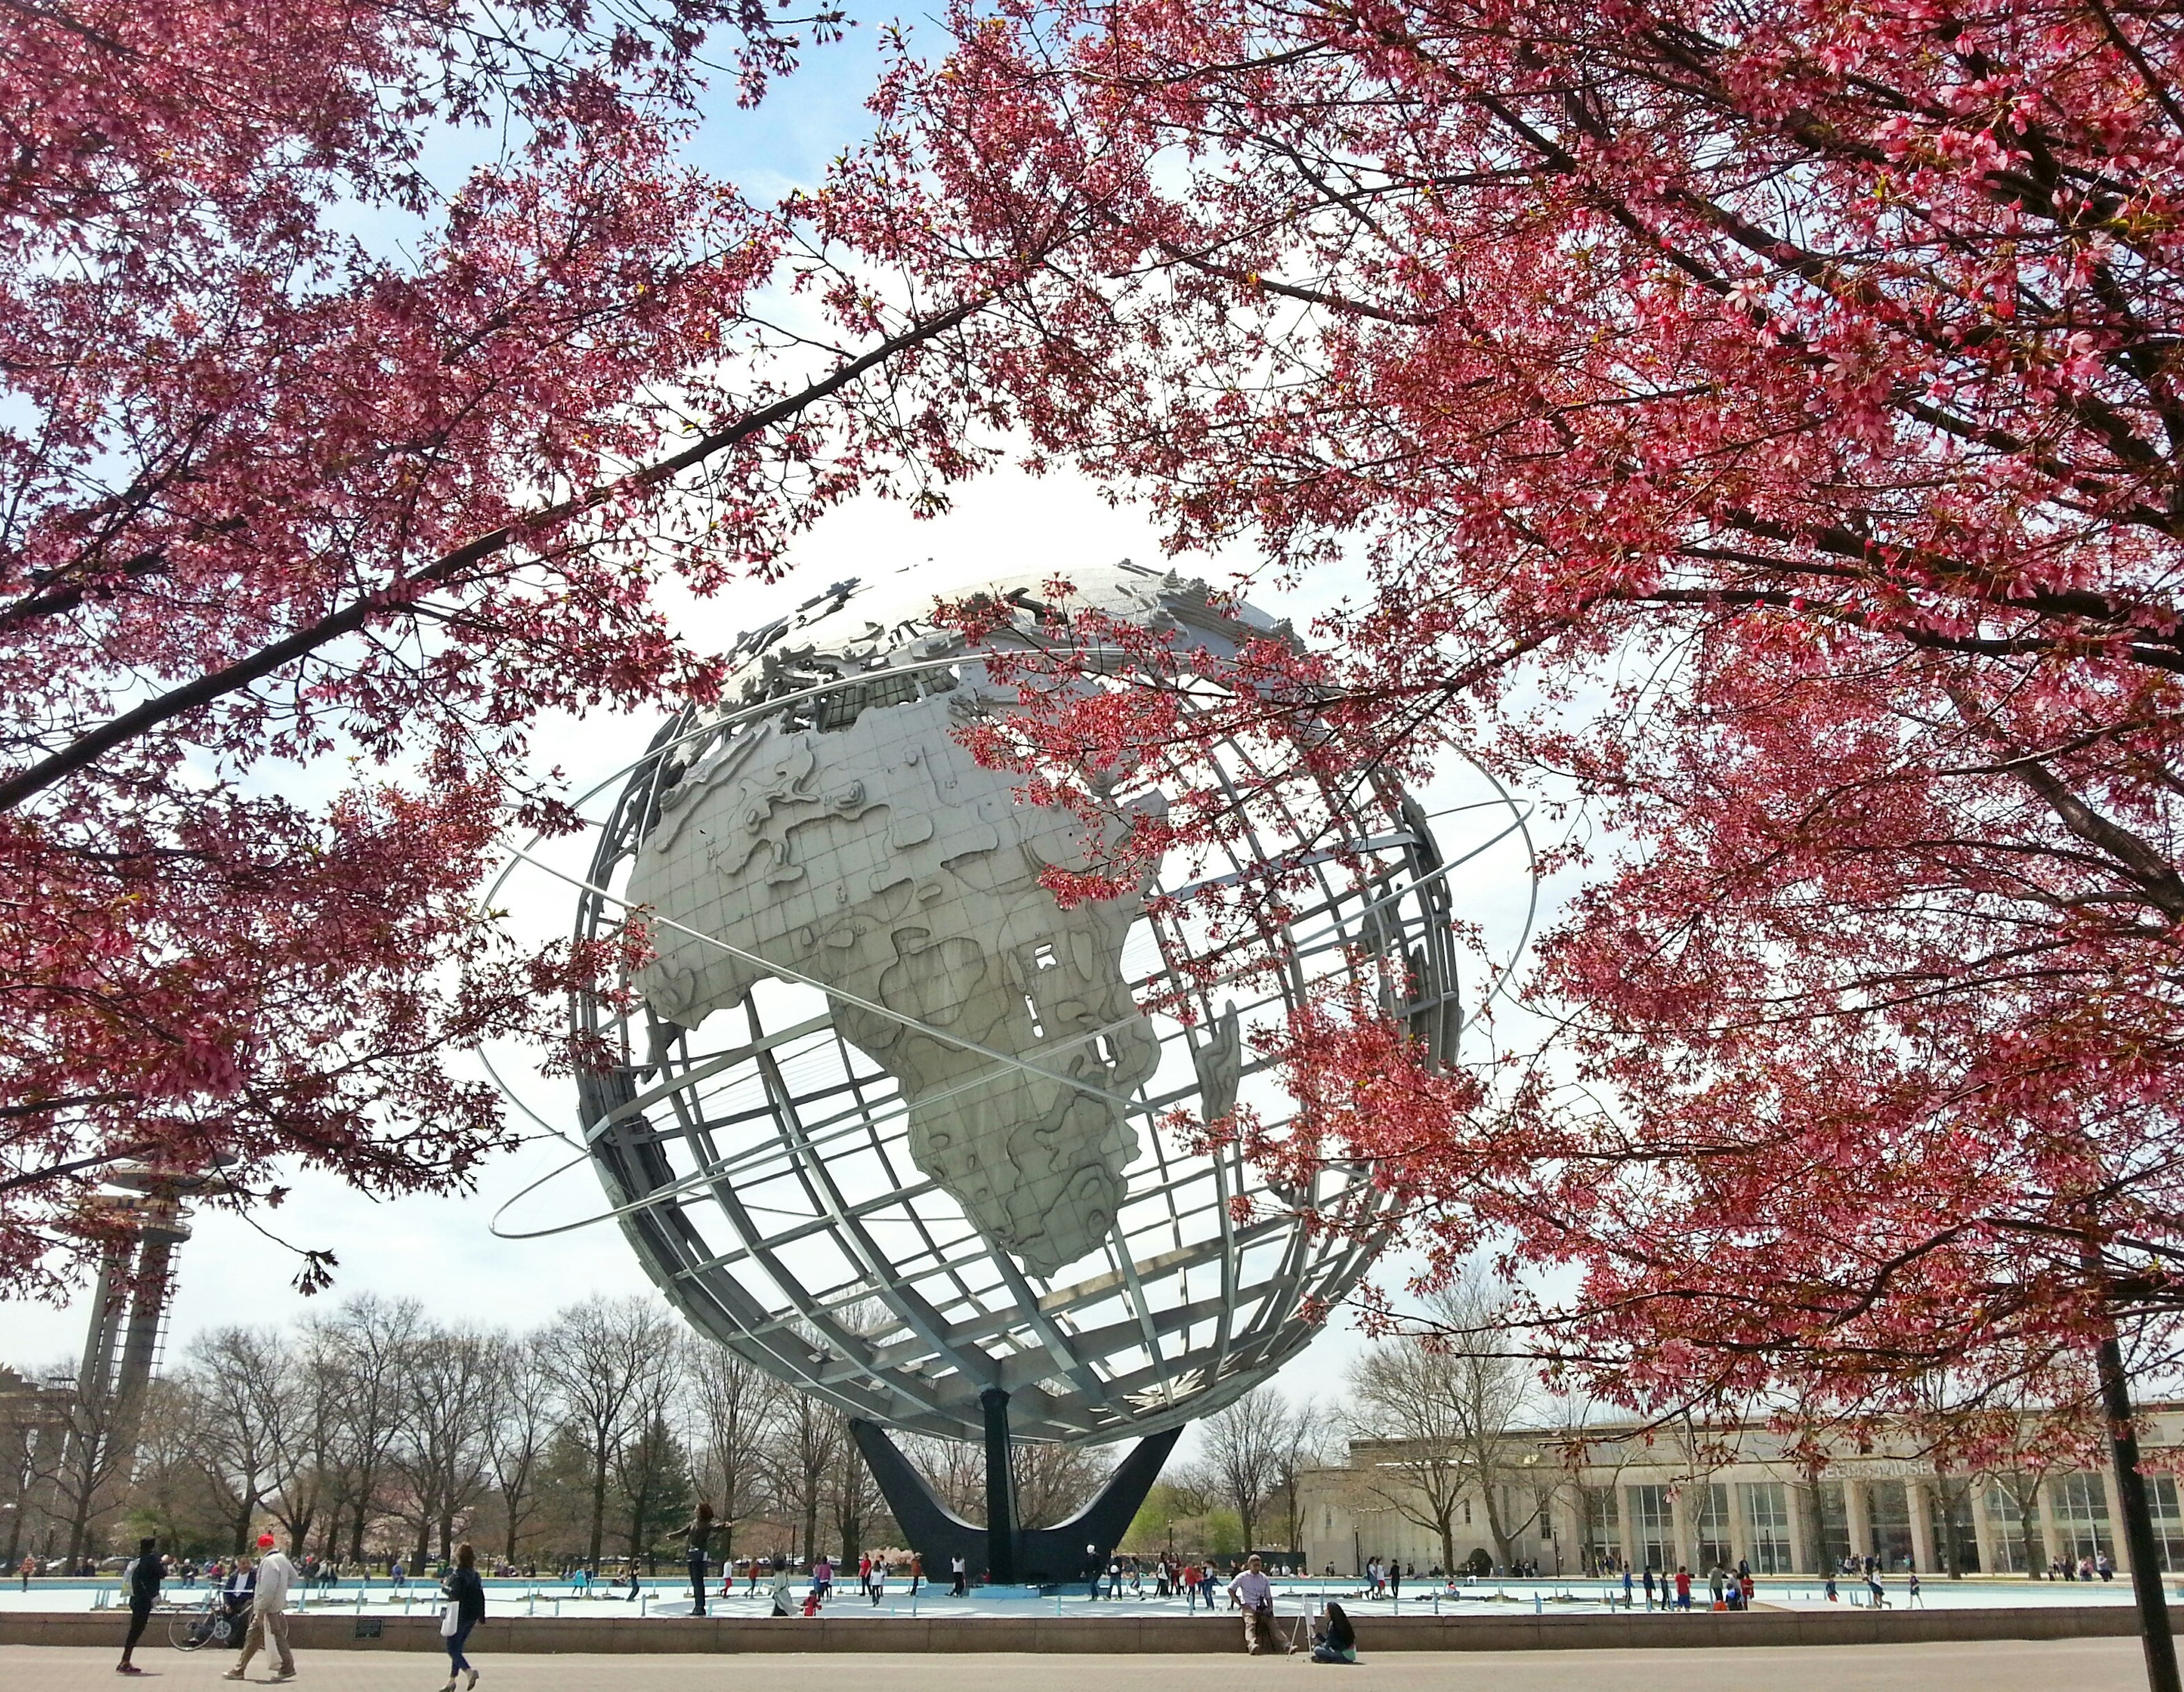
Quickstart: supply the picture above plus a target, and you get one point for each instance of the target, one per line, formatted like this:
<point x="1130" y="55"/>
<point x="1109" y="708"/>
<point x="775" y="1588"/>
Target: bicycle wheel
<point x="183" y="1633"/>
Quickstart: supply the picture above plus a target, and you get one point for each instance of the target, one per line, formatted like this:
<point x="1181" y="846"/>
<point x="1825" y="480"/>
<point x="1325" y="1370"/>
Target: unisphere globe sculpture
<point x="886" y="1119"/>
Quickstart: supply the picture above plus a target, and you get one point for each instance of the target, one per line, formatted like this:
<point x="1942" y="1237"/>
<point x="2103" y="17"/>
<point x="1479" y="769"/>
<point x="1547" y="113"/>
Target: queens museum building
<point x="1661" y="1499"/>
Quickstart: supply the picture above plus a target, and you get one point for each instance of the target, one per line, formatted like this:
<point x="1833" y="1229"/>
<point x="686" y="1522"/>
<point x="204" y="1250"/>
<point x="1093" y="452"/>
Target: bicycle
<point x="216" y="1622"/>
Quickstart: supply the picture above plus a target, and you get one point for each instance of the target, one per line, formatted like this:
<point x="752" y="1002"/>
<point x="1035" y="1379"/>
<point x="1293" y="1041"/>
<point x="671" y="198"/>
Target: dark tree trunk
<point x="2155" y="1636"/>
<point x="599" y="1504"/>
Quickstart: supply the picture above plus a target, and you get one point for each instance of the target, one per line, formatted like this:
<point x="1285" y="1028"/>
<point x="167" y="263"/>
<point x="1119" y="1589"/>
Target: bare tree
<point x="310" y="1437"/>
<point x="1054" y="1482"/>
<point x="598" y="1355"/>
<point x="800" y="1456"/>
<point x="732" y="1403"/>
<point x="519" y="1421"/>
<point x="240" y="1381"/>
<point x="644" y="1462"/>
<point x="1303" y="1446"/>
<point x="372" y="1338"/>
<point x="440" y="1454"/>
<point x="853" y="1495"/>
<point x="955" y="1470"/>
<point x="1247" y="1448"/>
<point x="167" y="1492"/>
<point x="1444" y="1401"/>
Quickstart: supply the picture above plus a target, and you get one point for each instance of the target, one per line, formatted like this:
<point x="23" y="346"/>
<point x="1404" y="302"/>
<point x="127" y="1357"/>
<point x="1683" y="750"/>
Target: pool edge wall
<point x="627" y="1636"/>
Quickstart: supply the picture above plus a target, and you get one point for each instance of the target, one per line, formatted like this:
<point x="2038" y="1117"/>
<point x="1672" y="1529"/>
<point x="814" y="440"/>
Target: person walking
<point x="26" y="1568"/>
<point x="961" y="1588"/>
<point x="1254" y="1594"/>
<point x="917" y="1572"/>
<point x="144" y="1577"/>
<point x="1683" y="1588"/>
<point x="464" y="1594"/>
<point x="269" y="1613"/>
<point x="1395" y="1581"/>
<point x="696" y="1535"/>
<point x="876" y="1581"/>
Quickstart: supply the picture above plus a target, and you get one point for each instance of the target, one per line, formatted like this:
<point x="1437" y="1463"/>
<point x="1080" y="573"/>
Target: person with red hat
<point x="269" y="1613"/>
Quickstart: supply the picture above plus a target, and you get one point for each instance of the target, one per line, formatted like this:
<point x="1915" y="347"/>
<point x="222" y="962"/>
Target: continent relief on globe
<point x="881" y="860"/>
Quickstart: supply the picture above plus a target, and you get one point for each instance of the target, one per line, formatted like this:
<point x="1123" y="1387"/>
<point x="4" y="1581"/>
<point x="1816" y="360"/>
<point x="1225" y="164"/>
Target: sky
<point x="443" y="1251"/>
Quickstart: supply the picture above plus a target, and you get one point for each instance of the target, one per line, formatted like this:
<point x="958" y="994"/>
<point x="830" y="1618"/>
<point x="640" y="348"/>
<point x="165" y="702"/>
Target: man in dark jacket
<point x="144" y="1577"/>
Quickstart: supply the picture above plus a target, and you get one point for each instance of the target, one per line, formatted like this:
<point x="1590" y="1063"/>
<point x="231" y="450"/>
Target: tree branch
<point x="447" y="570"/>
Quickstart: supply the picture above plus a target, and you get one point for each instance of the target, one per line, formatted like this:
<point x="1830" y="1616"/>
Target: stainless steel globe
<point x="886" y="1119"/>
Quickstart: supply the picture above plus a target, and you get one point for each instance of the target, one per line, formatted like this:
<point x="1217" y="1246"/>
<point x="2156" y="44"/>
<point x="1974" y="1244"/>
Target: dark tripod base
<point x="1001" y="1550"/>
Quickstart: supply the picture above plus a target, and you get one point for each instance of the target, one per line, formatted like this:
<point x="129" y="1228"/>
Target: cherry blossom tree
<point x="310" y="466"/>
<point x="1760" y="424"/>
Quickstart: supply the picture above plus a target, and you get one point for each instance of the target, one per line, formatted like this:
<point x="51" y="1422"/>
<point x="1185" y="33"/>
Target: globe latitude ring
<point x="883" y="1118"/>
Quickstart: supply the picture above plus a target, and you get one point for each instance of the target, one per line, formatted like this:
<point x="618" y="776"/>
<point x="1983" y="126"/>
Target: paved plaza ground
<point x="2003" y="1665"/>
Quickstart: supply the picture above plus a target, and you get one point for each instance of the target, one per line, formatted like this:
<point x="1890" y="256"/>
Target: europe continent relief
<point x="879" y="860"/>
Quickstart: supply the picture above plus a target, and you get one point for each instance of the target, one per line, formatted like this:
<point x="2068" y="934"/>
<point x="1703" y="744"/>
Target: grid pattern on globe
<point x="761" y="1166"/>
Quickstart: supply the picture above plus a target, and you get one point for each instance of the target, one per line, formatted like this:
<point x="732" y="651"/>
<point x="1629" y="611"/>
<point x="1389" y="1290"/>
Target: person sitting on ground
<point x="1253" y="1592"/>
<point x="1338" y="1641"/>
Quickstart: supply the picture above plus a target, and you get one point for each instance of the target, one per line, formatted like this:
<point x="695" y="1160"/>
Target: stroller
<point x="222" y="1621"/>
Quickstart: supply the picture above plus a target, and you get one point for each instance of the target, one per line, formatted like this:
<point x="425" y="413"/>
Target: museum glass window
<point x="1767" y="1527"/>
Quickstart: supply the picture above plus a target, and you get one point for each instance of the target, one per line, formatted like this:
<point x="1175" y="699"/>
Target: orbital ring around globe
<point x="885" y="1119"/>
